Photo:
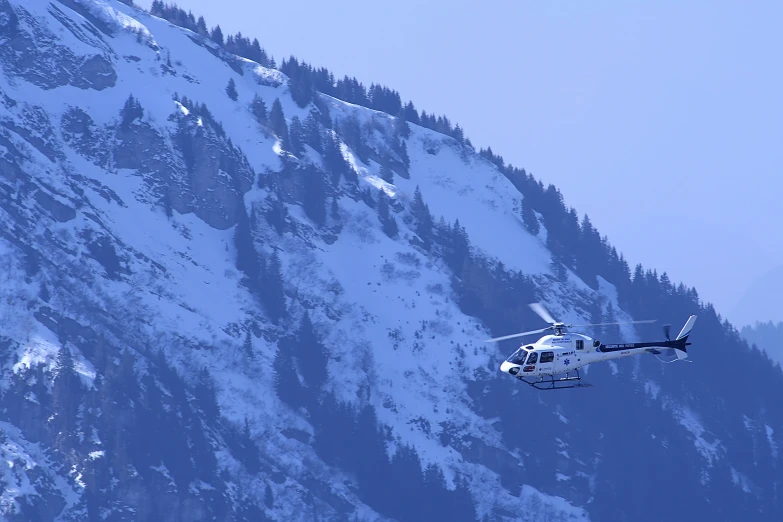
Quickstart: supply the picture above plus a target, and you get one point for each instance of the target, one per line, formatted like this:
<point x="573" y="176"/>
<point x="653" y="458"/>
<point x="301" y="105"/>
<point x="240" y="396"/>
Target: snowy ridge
<point x="183" y="289"/>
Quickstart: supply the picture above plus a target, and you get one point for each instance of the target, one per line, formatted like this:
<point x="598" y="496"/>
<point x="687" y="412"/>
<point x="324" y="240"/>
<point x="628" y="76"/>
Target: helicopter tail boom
<point x="676" y="347"/>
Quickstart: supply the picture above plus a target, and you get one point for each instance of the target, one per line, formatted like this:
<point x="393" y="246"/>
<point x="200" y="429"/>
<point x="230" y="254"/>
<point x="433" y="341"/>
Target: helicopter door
<point x="546" y="362"/>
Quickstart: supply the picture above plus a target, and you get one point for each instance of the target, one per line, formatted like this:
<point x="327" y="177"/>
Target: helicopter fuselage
<point x="564" y="352"/>
<point x="555" y="354"/>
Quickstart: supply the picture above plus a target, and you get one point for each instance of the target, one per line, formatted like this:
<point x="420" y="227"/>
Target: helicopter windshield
<point x="518" y="357"/>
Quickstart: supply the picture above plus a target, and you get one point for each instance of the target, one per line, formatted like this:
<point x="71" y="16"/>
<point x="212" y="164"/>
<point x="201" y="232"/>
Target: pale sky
<point x="663" y="121"/>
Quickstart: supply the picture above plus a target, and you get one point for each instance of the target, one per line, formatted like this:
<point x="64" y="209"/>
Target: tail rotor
<point x="678" y="348"/>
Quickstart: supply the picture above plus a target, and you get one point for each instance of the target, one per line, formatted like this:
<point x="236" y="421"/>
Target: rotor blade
<point x="516" y="335"/>
<point x="606" y="324"/>
<point x="542" y="312"/>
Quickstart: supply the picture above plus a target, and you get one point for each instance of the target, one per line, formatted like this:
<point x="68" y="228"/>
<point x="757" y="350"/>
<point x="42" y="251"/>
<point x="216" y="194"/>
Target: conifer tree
<point x="201" y="27"/>
<point x="168" y="206"/>
<point x="231" y="89"/>
<point x="401" y="127"/>
<point x="217" y="35"/>
<point x="312" y="356"/>
<point x="277" y="215"/>
<point x="258" y="109"/>
<point x="529" y="218"/>
<point x="390" y="227"/>
<point x="102" y="249"/>
<point x="590" y="253"/>
<point x="66" y="393"/>
<point x="612" y="332"/>
<point x="458" y="248"/>
<point x="250" y="456"/>
<point x="278" y="124"/>
<point x="201" y="450"/>
<point x="299" y="81"/>
<point x="559" y="269"/>
<point x="257" y="54"/>
<point x="247" y="346"/>
<point x="286" y="379"/>
<point x="312" y="132"/>
<point x="296" y="137"/>
<point x="333" y="158"/>
<point x="247" y="255"/>
<point x="418" y="208"/>
<point x="43" y="292"/>
<point x="458" y="134"/>
<point x="269" y="498"/>
<point x="388" y="223"/>
<point x="335" y="210"/>
<point x="421" y="213"/>
<point x="434" y="490"/>
<point x="148" y="417"/>
<point x="404" y="155"/>
<point x="411" y="114"/>
<point x="374" y="458"/>
<point x="273" y="292"/>
<point x="666" y="284"/>
<point x="324" y="116"/>
<point x="386" y="173"/>
<point x="206" y="395"/>
<point x="130" y="111"/>
<point x="351" y="131"/>
<point x="315" y="196"/>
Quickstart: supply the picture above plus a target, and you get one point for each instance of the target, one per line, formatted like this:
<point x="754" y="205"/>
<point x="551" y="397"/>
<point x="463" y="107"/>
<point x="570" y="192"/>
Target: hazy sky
<point x="663" y="121"/>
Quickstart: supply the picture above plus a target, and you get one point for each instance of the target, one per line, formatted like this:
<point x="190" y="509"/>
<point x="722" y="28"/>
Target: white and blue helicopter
<point x="563" y="352"/>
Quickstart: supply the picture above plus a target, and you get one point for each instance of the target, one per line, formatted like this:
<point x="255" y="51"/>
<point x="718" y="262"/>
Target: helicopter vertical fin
<point x="682" y="338"/>
<point x="686" y="330"/>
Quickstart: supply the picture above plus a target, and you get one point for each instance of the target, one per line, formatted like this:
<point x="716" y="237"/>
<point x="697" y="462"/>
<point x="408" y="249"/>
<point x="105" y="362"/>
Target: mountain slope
<point x="767" y="336"/>
<point x="217" y="308"/>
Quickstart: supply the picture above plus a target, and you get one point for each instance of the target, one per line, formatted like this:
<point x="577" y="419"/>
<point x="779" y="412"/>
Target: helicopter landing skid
<point x="564" y="383"/>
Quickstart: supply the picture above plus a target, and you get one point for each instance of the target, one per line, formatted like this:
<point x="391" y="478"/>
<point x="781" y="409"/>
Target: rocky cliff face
<point x="243" y="307"/>
<point x="34" y="53"/>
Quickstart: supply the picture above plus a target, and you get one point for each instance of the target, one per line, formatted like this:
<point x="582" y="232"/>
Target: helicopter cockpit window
<point x="580" y="344"/>
<point x="517" y="357"/>
<point x="533" y="358"/>
<point x="547" y="357"/>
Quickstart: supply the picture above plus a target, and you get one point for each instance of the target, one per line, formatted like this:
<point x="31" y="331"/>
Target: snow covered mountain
<point x="227" y="297"/>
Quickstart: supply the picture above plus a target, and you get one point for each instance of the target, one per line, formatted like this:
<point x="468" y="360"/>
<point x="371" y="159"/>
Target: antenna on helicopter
<point x="558" y="327"/>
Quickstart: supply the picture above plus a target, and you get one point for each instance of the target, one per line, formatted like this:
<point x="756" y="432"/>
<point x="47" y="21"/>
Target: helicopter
<point x="564" y="352"/>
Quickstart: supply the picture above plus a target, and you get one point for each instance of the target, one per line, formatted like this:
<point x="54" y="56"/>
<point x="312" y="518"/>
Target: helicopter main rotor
<point x="558" y="327"/>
